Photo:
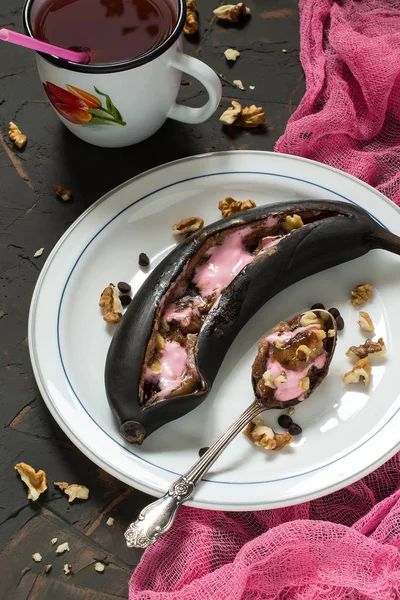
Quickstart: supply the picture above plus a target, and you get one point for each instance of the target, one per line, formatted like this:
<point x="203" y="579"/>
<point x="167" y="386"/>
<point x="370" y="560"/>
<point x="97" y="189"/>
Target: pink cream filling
<point x="226" y="261"/>
<point x="289" y="389"/>
<point x="173" y="364"/>
<point x="182" y="315"/>
<point x="224" y="264"/>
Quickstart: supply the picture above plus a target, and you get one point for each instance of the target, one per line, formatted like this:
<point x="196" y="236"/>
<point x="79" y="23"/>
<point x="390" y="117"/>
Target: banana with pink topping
<point x="168" y="348"/>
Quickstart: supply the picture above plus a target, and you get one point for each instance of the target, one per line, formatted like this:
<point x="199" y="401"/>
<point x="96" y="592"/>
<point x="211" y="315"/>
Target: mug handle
<point x="208" y="78"/>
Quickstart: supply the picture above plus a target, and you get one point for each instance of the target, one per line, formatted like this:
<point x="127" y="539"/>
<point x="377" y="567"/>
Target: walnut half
<point x="360" y="372"/>
<point x="246" y="117"/>
<point x="110" y="302"/>
<point x="369" y="348"/>
<point x="232" y="12"/>
<point x="35" y="480"/>
<point x="361" y="294"/>
<point x="192" y="24"/>
<point x="188" y="225"/>
<point x="228" y="206"/>
<point x="264" y="436"/>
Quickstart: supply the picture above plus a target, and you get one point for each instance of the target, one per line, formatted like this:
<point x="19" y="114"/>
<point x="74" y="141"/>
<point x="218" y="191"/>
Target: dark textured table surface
<point x="32" y="217"/>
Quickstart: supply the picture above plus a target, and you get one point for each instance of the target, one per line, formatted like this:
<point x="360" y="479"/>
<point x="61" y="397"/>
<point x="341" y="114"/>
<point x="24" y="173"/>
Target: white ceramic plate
<point x="347" y="431"/>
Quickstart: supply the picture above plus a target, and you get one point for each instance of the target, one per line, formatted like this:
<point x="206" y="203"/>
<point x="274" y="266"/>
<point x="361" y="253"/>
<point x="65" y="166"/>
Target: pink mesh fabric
<point x="349" y="117"/>
<point x="345" y="545"/>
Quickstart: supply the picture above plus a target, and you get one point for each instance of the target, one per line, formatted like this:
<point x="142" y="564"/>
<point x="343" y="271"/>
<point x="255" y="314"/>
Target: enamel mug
<point x="124" y="103"/>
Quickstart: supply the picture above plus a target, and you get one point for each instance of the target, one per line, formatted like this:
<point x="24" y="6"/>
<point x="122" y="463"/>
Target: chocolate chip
<point x="203" y="451"/>
<point x="334" y="312"/>
<point x="318" y="305"/>
<point x="125" y="300"/>
<point x="124" y="287"/>
<point x="285" y="421"/>
<point x="295" y="429"/>
<point x="144" y="260"/>
<point x="339" y="323"/>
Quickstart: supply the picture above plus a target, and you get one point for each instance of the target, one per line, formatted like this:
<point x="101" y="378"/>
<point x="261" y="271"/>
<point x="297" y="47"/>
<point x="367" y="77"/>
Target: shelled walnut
<point x="365" y="322"/>
<point x="192" y="23"/>
<point x="34" y="480"/>
<point x="264" y="436"/>
<point x="232" y="12"/>
<point x="188" y="225"/>
<point x="228" y="206"/>
<point x="361" y="294"/>
<point x="369" y="348"/>
<point x="246" y="117"/>
<point x="110" y="302"/>
<point x="361" y="372"/>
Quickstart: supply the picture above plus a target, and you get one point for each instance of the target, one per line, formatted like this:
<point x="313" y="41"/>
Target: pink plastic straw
<point x="27" y="42"/>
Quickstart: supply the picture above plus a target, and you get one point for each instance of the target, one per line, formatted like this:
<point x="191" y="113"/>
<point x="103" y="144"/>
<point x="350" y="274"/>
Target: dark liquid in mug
<point x="114" y="30"/>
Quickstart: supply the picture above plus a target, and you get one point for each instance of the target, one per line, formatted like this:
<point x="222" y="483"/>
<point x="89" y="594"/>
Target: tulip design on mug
<point x="82" y="108"/>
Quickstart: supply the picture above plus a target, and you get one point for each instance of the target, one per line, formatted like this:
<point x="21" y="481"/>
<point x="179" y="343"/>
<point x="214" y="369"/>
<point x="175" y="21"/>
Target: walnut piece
<point x="369" y="348"/>
<point x="246" y="117"/>
<point x="232" y="54"/>
<point x="36" y="481"/>
<point x="304" y="383"/>
<point x="361" y="294"/>
<point x="188" y="225"/>
<point x="155" y="366"/>
<point x="73" y="490"/>
<point x="62" y="192"/>
<point x="62" y="548"/>
<point x="99" y="567"/>
<point x="228" y="206"/>
<point x="53" y="541"/>
<point x="67" y="569"/>
<point x="110" y="521"/>
<point x="264" y="436"/>
<point x="110" y="302"/>
<point x="292" y="222"/>
<point x="309" y="318"/>
<point x="192" y="23"/>
<point x="232" y="12"/>
<point x="231" y="114"/>
<point x="269" y="380"/>
<point x="37" y="557"/>
<point x="252" y="116"/>
<point x="16" y="135"/>
<point x="61" y="484"/>
<point x="360" y="372"/>
<point x="303" y="353"/>
<point x="365" y="322"/>
<point x="47" y="568"/>
<point x="238" y="83"/>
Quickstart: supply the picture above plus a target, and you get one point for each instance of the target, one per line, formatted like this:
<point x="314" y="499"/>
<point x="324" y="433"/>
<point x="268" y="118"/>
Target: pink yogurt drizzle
<point x="289" y="390"/>
<point x="226" y="261"/>
<point x="173" y="363"/>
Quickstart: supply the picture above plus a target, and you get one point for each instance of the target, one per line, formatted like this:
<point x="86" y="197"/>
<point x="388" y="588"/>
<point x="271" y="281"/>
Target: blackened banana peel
<point x="333" y="233"/>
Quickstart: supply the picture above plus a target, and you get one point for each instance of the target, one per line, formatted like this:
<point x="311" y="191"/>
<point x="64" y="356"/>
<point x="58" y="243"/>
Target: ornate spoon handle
<point x="156" y="518"/>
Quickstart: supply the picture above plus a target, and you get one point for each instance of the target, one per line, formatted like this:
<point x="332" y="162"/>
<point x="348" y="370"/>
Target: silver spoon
<point x="156" y="518"/>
